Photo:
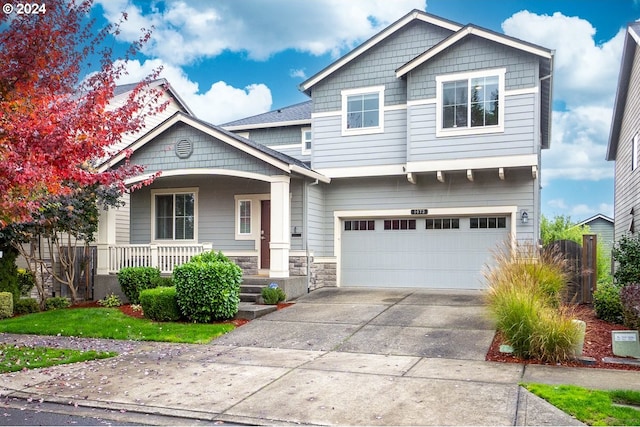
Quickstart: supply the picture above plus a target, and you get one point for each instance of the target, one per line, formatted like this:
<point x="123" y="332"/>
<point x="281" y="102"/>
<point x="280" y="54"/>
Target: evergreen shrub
<point x="6" y="305"/>
<point x="160" y="304"/>
<point x="26" y="306"/>
<point x="133" y="280"/>
<point x="55" y="303"/>
<point x="606" y="301"/>
<point x="208" y="287"/>
<point x="630" y="299"/>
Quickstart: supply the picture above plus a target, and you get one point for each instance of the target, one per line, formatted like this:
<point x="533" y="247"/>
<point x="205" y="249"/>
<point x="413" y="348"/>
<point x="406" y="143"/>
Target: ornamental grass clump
<point x="526" y="286"/>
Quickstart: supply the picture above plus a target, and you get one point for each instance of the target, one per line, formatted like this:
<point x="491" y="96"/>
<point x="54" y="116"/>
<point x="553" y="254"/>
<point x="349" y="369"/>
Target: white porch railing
<point x="164" y="257"/>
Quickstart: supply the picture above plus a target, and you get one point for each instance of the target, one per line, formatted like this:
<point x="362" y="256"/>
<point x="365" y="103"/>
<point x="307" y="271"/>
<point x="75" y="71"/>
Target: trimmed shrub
<point x="55" y="303"/>
<point x="160" y="304"/>
<point x="162" y="282"/>
<point x="26" y="306"/>
<point x="208" y="290"/>
<point x="26" y="282"/>
<point x="132" y="280"/>
<point x="606" y="302"/>
<point x="6" y="305"/>
<point x="272" y="295"/>
<point x="630" y="300"/>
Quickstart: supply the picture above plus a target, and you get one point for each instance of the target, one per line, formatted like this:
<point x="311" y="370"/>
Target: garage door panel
<point x="432" y="258"/>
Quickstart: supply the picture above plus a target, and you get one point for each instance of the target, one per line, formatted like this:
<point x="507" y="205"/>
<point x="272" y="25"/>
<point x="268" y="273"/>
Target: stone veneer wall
<point x="298" y="265"/>
<point x="248" y="264"/>
<point x="322" y="275"/>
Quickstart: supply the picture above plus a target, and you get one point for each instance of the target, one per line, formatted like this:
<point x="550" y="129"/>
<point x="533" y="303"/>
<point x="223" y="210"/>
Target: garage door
<point x="419" y="252"/>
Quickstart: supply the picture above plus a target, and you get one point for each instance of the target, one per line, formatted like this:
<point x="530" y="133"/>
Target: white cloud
<point x="578" y="145"/>
<point x="188" y="30"/>
<point x="584" y="72"/>
<point x="218" y="104"/>
<point x="298" y="74"/>
<point x="580" y="211"/>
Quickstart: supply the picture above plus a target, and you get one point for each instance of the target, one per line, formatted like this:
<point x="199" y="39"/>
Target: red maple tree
<point x="54" y="122"/>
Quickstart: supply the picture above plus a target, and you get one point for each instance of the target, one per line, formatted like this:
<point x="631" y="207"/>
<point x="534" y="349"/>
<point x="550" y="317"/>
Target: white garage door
<point x="419" y="252"/>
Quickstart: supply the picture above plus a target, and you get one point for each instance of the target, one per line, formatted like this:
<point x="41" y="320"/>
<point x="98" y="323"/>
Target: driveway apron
<point x="344" y="356"/>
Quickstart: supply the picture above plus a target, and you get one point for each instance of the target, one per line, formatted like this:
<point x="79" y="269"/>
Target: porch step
<point x="251" y="311"/>
<point x="250" y="293"/>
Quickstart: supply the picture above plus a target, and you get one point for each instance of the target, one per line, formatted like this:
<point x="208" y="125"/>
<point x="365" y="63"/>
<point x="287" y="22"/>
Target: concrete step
<point x="249" y="296"/>
<point x="251" y="311"/>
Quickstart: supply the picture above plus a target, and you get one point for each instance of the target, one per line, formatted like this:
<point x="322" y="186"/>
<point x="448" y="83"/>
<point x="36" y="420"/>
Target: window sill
<point x="443" y="133"/>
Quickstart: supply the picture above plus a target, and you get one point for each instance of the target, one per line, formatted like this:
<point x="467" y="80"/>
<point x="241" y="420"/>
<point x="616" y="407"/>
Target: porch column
<point x="280" y="225"/>
<point x="105" y="237"/>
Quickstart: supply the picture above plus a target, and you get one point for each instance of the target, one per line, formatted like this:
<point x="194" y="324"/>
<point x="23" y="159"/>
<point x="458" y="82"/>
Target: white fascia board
<point x="473" y="163"/>
<point x="363" y="171"/>
<point x="374" y="41"/>
<point x="455" y="211"/>
<point x="256" y="126"/>
<point x="201" y="171"/>
<point x="310" y="173"/>
<point x="424" y="57"/>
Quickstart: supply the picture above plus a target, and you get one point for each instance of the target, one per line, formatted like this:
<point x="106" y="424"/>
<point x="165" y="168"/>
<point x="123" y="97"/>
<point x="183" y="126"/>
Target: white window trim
<point x="634" y="153"/>
<point x="445" y="132"/>
<point x="239" y="222"/>
<point x="255" y="216"/>
<point x="363" y="91"/>
<point x="305" y="151"/>
<point x="174" y="191"/>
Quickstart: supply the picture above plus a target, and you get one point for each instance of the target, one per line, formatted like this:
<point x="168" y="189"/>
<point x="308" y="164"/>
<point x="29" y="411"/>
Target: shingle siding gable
<point x="377" y="67"/>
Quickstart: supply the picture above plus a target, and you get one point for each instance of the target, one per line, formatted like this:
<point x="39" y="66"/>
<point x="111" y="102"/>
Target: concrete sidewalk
<point x="338" y="356"/>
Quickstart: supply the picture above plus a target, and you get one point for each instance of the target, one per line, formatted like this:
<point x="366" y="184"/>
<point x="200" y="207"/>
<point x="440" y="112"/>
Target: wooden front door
<point x="265" y="234"/>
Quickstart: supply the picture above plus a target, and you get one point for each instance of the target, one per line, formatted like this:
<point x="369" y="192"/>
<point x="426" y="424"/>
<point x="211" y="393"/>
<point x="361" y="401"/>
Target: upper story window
<point x="306" y="140"/>
<point x="363" y="110"/>
<point x="174" y="214"/>
<point x="470" y="103"/>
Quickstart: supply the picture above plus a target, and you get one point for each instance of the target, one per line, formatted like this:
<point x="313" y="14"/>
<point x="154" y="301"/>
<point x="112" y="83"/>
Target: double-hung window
<point x="470" y="103"/>
<point x="306" y="140"/>
<point x="363" y="110"/>
<point x="174" y="214"/>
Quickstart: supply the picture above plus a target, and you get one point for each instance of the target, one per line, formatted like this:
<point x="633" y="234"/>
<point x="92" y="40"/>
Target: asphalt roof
<point x="296" y="112"/>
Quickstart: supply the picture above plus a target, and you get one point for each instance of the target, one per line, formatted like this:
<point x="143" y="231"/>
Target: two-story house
<point x="624" y="137"/>
<point x="416" y="155"/>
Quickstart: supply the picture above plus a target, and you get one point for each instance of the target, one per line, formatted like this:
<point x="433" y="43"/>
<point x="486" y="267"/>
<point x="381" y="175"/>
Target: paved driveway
<point x="408" y="322"/>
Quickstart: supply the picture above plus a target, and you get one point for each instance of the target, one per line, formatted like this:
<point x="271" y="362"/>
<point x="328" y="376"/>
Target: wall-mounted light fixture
<point x="524" y="217"/>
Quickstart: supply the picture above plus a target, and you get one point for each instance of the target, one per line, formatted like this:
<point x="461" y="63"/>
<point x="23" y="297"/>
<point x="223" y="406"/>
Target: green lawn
<point x="110" y="323"/>
<point x="15" y="358"/>
<point x="592" y="407"/>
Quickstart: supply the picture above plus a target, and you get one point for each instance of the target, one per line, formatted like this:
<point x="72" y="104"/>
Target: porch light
<point x="524" y="217"/>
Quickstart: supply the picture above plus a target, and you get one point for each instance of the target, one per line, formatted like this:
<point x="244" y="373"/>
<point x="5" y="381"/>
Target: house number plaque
<point x="419" y="211"/>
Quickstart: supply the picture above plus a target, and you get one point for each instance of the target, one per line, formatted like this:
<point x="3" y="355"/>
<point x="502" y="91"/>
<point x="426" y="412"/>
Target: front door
<point x="265" y="234"/>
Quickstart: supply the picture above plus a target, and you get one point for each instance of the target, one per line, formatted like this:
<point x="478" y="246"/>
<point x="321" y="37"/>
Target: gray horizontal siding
<point x="378" y="65"/>
<point x="122" y="220"/>
<point x="331" y="149"/>
<point x="216" y="209"/>
<point x="297" y="213"/>
<point x="517" y="138"/>
<point x="208" y="152"/>
<point x="627" y="182"/>
<point x="396" y="193"/>
<point x="316" y="234"/>
<point x="474" y="54"/>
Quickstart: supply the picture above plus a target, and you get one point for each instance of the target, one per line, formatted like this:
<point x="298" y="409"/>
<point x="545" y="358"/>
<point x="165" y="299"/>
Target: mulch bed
<point x="597" y="344"/>
<point x="129" y="310"/>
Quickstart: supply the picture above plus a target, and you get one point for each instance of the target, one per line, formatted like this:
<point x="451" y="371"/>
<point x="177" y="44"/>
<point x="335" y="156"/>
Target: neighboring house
<point x="624" y="137"/>
<point x="417" y="154"/>
<point x="603" y="227"/>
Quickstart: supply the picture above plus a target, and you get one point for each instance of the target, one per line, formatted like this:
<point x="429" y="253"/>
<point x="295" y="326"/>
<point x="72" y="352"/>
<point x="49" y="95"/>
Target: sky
<point x="230" y="59"/>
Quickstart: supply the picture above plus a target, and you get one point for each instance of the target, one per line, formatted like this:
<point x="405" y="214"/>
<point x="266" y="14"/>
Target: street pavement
<point x="344" y="356"/>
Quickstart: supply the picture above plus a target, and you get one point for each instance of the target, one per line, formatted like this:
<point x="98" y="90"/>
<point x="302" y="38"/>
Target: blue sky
<point x="230" y="59"/>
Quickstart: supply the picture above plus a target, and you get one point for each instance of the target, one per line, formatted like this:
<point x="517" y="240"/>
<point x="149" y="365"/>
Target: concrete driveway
<point x="338" y="356"/>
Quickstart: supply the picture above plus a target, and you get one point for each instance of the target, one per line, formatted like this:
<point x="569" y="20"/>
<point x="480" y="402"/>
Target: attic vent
<point x="184" y="148"/>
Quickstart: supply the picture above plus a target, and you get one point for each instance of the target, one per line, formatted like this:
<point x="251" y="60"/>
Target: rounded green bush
<point x="606" y="302"/>
<point x="55" y="303"/>
<point x="160" y="304"/>
<point x="26" y="306"/>
<point x="6" y="305"/>
<point x="272" y="295"/>
<point x="133" y="280"/>
<point x="208" y="290"/>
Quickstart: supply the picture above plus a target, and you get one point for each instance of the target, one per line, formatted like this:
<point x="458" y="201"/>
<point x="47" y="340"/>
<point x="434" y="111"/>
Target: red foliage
<point x="53" y="124"/>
